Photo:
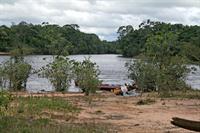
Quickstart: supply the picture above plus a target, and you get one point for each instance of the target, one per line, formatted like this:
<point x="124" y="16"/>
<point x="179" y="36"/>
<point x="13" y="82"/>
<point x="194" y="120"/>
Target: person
<point x="124" y="90"/>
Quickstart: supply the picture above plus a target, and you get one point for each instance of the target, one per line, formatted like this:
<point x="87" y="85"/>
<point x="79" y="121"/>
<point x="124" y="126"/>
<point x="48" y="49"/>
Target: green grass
<point x="45" y="103"/>
<point x="22" y="125"/>
<point x="43" y="107"/>
<point x="45" y="115"/>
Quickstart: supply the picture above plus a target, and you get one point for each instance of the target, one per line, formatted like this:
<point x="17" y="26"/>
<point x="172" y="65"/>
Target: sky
<point x="102" y="17"/>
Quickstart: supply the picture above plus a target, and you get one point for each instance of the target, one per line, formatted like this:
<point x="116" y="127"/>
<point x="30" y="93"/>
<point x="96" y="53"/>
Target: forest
<point x="48" y="38"/>
<point x="186" y="39"/>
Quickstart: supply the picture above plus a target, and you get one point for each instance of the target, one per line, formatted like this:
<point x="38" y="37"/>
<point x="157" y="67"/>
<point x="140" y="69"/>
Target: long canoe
<point x="186" y="124"/>
<point x="4" y="53"/>
<point x="109" y="87"/>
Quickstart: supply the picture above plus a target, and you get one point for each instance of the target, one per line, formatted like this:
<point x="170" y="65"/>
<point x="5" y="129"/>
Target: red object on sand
<point x="109" y="87"/>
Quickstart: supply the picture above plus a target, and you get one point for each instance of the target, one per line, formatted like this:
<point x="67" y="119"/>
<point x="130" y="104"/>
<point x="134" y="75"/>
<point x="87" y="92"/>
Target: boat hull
<point x="186" y="124"/>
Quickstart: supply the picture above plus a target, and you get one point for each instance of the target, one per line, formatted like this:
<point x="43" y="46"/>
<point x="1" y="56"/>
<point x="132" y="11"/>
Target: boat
<point x="186" y="124"/>
<point x="4" y="53"/>
<point x="109" y="87"/>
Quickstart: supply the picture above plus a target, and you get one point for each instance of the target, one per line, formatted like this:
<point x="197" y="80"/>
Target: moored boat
<point x="109" y="87"/>
<point x="186" y="124"/>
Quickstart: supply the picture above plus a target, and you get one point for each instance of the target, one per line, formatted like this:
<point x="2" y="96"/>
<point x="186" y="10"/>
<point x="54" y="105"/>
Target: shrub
<point x="16" y="74"/>
<point x="164" y="70"/>
<point x="15" y="71"/>
<point x="144" y="74"/>
<point x="59" y="73"/>
<point x="86" y="76"/>
<point x="151" y="77"/>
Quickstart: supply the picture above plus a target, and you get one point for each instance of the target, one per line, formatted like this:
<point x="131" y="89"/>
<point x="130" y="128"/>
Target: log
<point x="186" y="124"/>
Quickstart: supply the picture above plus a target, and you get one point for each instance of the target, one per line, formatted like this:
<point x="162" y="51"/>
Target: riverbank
<point x="102" y="112"/>
<point x="4" y="53"/>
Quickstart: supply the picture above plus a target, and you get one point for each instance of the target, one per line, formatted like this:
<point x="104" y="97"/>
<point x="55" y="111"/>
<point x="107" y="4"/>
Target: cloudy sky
<point x="102" y="17"/>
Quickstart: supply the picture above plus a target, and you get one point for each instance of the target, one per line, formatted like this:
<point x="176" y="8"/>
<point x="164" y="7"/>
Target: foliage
<point x="165" y="69"/>
<point x="16" y="74"/>
<point x="192" y="53"/>
<point x="15" y="71"/>
<point x="133" y="42"/>
<point x="48" y="38"/>
<point x="5" y="99"/>
<point x="163" y="50"/>
<point x="59" y="73"/>
<point x="144" y="74"/>
<point x="62" y="71"/>
<point x="86" y="76"/>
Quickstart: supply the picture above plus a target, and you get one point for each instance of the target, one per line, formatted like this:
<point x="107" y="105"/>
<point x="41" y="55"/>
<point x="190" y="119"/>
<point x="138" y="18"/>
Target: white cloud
<point x="102" y="17"/>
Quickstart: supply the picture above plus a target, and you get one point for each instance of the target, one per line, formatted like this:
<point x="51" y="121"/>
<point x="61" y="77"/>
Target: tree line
<point x="48" y="38"/>
<point x="186" y="39"/>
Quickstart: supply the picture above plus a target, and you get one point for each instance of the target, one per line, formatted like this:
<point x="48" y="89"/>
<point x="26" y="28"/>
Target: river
<point x="112" y="67"/>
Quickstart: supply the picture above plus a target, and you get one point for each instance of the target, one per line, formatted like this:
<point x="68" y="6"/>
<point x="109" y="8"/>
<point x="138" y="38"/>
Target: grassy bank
<point x="41" y="125"/>
<point x="44" y="114"/>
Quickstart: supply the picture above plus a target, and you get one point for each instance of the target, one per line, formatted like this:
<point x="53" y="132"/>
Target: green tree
<point x="144" y="74"/>
<point x="59" y="73"/>
<point x="86" y="76"/>
<point x="15" y="71"/>
<point x="164" y="70"/>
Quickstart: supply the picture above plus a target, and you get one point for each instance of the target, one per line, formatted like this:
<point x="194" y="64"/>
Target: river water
<point x="112" y="67"/>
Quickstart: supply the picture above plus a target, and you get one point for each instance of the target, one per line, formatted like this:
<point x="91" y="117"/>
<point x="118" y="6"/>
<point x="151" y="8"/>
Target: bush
<point x="172" y="76"/>
<point x="16" y="74"/>
<point x="15" y="71"/>
<point x="164" y="69"/>
<point x="151" y="77"/>
<point x="86" y="76"/>
<point x="163" y="77"/>
<point x="59" y="73"/>
<point x="144" y="74"/>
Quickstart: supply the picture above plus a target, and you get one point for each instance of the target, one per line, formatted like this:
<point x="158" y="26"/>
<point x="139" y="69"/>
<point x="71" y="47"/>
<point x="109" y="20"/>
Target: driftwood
<point x="186" y="124"/>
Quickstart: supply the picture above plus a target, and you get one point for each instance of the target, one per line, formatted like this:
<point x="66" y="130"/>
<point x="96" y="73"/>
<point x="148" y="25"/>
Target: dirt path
<point x="128" y="117"/>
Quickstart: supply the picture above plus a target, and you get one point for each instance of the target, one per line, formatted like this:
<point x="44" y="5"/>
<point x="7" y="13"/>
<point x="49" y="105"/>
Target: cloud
<point x="102" y="17"/>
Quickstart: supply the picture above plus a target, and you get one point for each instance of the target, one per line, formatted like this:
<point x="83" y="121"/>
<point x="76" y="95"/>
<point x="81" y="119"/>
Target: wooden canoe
<point x="186" y="124"/>
<point x="4" y="53"/>
<point x="109" y="87"/>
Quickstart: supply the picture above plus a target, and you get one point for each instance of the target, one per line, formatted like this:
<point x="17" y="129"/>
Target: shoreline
<point x="4" y="53"/>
